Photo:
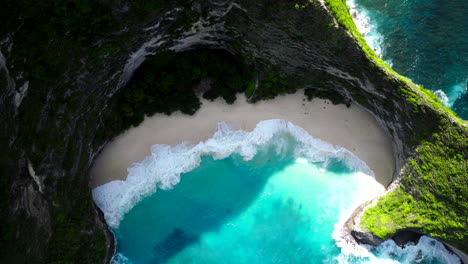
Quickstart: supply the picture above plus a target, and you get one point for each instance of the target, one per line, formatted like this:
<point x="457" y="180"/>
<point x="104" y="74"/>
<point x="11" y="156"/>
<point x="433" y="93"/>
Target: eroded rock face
<point x="358" y="234"/>
<point x="55" y="125"/>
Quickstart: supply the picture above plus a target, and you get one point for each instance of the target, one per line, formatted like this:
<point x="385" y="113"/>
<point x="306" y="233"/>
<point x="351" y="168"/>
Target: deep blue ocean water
<point x="425" y="40"/>
<point x="276" y="207"/>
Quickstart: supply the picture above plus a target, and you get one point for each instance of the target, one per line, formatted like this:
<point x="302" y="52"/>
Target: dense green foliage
<point x="302" y="4"/>
<point x="271" y="86"/>
<point x="434" y="186"/>
<point x="332" y="95"/>
<point x="166" y="82"/>
<point x="64" y="22"/>
<point x="432" y="194"/>
<point x="45" y="35"/>
<point x="51" y="41"/>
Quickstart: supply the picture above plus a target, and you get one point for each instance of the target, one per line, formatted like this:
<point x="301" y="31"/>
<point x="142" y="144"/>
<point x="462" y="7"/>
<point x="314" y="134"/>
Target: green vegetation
<point x="303" y="3"/>
<point x="334" y="96"/>
<point x="270" y="86"/>
<point x="434" y="185"/>
<point x="69" y="243"/>
<point x="55" y="41"/>
<point x="432" y="194"/>
<point x="46" y="36"/>
<point x="419" y="95"/>
<point x="65" y="22"/>
<point x="166" y="82"/>
<point x="340" y="11"/>
<point x="249" y="91"/>
<point x="52" y="41"/>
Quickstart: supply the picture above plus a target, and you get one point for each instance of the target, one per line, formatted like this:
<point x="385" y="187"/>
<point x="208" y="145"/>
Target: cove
<point x="277" y="197"/>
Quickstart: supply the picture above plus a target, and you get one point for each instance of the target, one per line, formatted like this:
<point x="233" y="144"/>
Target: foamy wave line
<point x="349" y="247"/>
<point x="363" y="22"/>
<point x="163" y="168"/>
<point x="120" y="259"/>
<point x="390" y="253"/>
<point x="443" y="98"/>
<point x="453" y="94"/>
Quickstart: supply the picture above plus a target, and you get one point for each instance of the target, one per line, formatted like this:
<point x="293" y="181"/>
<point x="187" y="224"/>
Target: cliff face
<point x="57" y="88"/>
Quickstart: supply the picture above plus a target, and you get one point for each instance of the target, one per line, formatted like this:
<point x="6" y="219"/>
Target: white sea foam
<point x="120" y="259"/>
<point x="448" y="98"/>
<point x="340" y="235"/>
<point x="163" y="168"/>
<point x="389" y="62"/>
<point x="443" y="97"/>
<point x="458" y="90"/>
<point x="427" y="248"/>
<point x="363" y="22"/>
<point x="390" y="253"/>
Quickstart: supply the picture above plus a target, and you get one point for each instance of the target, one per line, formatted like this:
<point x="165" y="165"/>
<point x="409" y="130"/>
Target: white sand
<point x="352" y="128"/>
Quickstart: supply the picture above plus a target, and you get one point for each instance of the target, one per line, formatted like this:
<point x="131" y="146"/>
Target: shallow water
<point x="274" y="207"/>
<point x="425" y="40"/>
<point x="239" y="213"/>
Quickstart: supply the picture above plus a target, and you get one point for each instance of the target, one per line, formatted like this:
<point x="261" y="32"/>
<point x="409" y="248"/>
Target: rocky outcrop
<point x="50" y="125"/>
<point x="359" y="234"/>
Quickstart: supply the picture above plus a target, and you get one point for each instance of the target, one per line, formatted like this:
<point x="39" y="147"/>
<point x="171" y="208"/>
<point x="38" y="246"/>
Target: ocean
<point x="424" y="40"/>
<point x="273" y="195"/>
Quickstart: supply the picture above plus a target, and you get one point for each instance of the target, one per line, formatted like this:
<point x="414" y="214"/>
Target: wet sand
<point x="352" y="128"/>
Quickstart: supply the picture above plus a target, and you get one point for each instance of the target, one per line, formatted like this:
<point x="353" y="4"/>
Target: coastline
<point x="352" y="128"/>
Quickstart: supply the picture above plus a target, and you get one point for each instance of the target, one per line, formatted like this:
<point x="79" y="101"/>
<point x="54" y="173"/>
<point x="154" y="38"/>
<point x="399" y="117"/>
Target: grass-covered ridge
<point x="434" y="185"/>
<point x="432" y="194"/>
<point x="419" y="94"/>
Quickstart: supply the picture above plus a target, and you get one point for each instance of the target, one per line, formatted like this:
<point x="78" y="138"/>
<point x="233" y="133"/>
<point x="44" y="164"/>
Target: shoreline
<point x="352" y="128"/>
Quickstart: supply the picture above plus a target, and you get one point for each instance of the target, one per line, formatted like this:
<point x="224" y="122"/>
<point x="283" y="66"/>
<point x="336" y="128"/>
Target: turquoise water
<point x="274" y="206"/>
<point x="239" y="213"/>
<point x="425" y="40"/>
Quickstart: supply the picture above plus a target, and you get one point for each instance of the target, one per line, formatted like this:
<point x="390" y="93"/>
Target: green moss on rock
<point x="432" y="195"/>
<point x="58" y="125"/>
<point x="414" y="93"/>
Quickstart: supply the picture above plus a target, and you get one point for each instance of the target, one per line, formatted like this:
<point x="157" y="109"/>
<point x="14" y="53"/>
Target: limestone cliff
<point x="62" y="63"/>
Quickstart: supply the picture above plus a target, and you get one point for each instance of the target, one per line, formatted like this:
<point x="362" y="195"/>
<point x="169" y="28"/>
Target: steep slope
<point x="62" y="63"/>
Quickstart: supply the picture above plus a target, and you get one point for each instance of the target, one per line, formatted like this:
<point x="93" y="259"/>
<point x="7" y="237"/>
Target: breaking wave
<point x="427" y="250"/>
<point x="370" y="33"/>
<point x="454" y="93"/>
<point x="165" y="165"/>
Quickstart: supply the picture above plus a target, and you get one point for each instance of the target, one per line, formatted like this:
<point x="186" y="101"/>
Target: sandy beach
<point x="352" y="128"/>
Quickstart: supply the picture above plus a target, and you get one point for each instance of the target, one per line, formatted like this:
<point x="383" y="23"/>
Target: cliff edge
<point x="64" y="63"/>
